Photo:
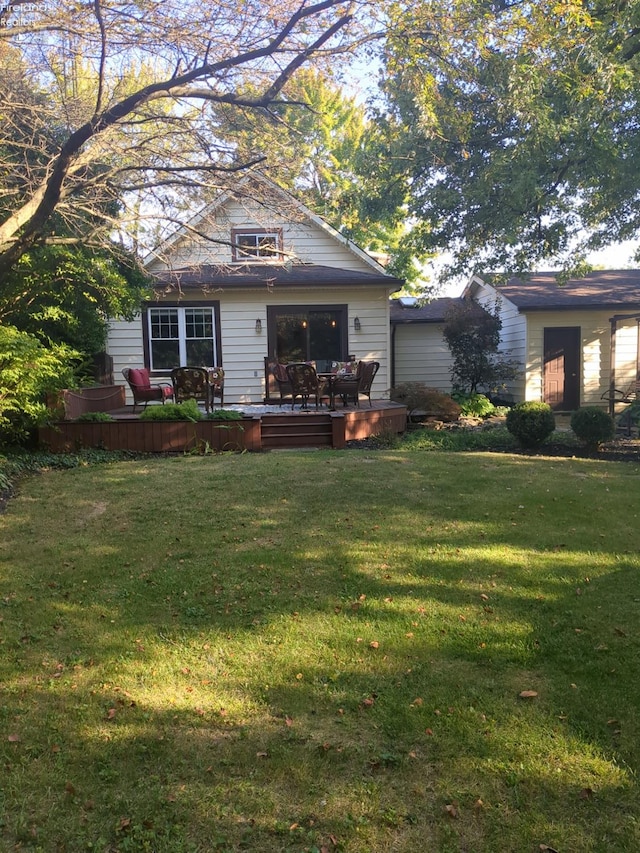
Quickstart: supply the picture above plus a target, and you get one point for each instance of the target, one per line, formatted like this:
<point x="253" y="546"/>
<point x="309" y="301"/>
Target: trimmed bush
<point x="593" y="426"/>
<point x="187" y="411"/>
<point x="531" y="423"/>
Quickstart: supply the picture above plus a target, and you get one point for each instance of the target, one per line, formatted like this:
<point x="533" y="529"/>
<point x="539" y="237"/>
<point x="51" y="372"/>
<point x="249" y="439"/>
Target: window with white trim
<point x="256" y="245"/>
<point x="181" y="337"/>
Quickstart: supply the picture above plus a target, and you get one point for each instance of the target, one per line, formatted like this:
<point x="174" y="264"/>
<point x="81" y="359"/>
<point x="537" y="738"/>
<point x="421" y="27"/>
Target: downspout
<point x="612" y="366"/>
<point x="393" y="355"/>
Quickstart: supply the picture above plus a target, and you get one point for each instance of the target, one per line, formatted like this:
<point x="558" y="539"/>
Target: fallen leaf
<point x="111" y="713"/>
<point x="546" y="849"/>
<point x="374" y="644"/>
<point x="619" y="632"/>
<point x="528" y="694"/>
<point x="428" y="732"/>
<point x="262" y="754"/>
<point x="288" y="721"/>
<point x="69" y="788"/>
<point x="484" y="597"/>
<point x="586" y="793"/>
<point x="14" y="738"/>
<point x="367" y="703"/>
<point x="451" y="810"/>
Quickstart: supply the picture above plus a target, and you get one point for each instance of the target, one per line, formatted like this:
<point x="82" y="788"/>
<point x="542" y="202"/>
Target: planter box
<point x="153" y="436"/>
<point x="101" y="398"/>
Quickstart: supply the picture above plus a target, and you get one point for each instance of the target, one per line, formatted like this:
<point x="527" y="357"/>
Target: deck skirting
<point x="251" y="433"/>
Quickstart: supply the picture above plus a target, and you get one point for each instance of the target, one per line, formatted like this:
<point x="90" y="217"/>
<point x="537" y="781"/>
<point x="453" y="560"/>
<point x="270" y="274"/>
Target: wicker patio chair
<point x="351" y="388"/>
<point x="191" y="383"/>
<point x="143" y="391"/>
<point x="305" y="383"/>
<point x="216" y="385"/>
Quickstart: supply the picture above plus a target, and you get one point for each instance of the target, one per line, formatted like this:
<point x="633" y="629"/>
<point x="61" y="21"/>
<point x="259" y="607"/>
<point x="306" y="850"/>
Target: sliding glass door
<point x="308" y="333"/>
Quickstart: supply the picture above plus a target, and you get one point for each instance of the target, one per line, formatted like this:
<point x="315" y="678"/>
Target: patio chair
<point x="304" y="383"/>
<point x="216" y="385"/>
<point x="191" y="383"/>
<point x="138" y="379"/>
<point x="347" y="387"/>
<point x="279" y="373"/>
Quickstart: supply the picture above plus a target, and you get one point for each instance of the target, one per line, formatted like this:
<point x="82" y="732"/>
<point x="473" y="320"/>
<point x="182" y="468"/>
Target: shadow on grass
<point x="264" y="681"/>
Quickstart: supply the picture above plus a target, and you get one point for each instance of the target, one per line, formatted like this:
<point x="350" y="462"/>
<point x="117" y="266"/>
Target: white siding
<point x="303" y="240"/>
<point x="595" y="331"/>
<point x="243" y="349"/>
<point x="422" y="355"/>
<point x="513" y="335"/>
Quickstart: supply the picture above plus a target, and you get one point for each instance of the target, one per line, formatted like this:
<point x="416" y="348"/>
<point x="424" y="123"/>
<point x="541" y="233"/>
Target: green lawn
<point x="322" y="651"/>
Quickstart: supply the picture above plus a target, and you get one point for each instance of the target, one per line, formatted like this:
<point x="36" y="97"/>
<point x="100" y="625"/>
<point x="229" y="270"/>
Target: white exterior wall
<point x="595" y="334"/>
<point x="302" y="240"/>
<point x="422" y="355"/>
<point x="243" y="350"/>
<point x="513" y="335"/>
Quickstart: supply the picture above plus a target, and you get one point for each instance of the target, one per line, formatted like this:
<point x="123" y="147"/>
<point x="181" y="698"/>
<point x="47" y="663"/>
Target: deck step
<point x="311" y="431"/>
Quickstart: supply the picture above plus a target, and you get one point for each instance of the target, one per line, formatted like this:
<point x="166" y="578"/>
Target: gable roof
<point x="429" y="312"/>
<point x="269" y="189"/>
<point x="247" y="276"/>
<point x="600" y="289"/>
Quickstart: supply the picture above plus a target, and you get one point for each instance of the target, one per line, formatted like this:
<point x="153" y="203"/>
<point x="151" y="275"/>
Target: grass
<point x="321" y="651"/>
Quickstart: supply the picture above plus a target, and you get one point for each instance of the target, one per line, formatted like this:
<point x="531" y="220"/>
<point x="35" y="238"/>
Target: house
<point x="419" y="352"/>
<point x="574" y="341"/>
<point x="254" y="276"/>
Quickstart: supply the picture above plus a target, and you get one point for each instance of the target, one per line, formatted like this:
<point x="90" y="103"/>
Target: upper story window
<point x="256" y="245"/>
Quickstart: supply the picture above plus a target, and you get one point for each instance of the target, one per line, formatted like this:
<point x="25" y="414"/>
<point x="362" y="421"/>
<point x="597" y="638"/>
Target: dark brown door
<point x="562" y="368"/>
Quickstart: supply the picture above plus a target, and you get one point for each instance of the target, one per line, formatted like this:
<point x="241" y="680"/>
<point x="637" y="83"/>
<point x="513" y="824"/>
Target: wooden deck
<point x="255" y="432"/>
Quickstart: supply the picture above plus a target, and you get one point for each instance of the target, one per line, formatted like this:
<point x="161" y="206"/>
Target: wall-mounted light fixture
<point x="356" y="324"/>
<point x="258" y="326"/>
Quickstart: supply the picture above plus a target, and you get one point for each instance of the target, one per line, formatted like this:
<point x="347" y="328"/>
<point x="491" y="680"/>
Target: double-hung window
<point x="256" y="245"/>
<point x="181" y="337"/>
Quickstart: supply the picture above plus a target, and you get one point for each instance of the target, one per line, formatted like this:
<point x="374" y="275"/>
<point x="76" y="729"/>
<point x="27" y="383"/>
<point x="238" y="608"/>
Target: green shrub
<point x="418" y="397"/>
<point x="224" y="415"/>
<point x="593" y="426"/>
<point x="187" y="411"/>
<point x="95" y="418"/>
<point x="531" y="423"/>
<point x="28" y="370"/>
<point x="474" y="405"/>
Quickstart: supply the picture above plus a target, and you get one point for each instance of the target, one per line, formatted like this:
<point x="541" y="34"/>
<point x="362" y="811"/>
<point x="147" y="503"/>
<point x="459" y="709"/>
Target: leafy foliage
<point x="428" y="402"/>
<point x="224" y="415"/>
<point x="593" y="426"/>
<point x="28" y="370"/>
<point x="320" y="144"/>
<point x="95" y="418"/>
<point x="531" y="423"/>
<point x="475" y="405"/>
<point x="187" y="411"/>
<point x="516" y="124"/>
<point x="473" y="337"/>
<point x="66" y="295"/>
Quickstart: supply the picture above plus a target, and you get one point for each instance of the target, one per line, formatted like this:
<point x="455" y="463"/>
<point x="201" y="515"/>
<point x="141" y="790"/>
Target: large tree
<point x="319" y="143"/>
<point x="517" y="125"/>
<point x="110" y="103"/>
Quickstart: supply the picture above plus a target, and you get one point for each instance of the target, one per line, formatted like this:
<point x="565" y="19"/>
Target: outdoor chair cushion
<point x="344" y="368"/>
<point x="139" y="376"/>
